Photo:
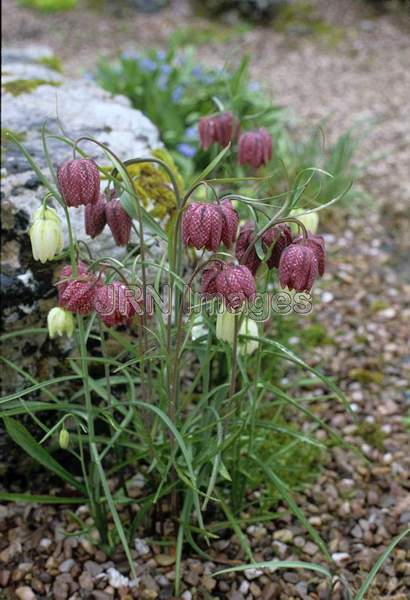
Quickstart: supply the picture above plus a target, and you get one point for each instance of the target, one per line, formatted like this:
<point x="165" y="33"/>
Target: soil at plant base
<point x="356" y="505"/>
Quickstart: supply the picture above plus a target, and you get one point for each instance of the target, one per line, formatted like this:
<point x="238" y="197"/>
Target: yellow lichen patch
<point x="153" y="185"/>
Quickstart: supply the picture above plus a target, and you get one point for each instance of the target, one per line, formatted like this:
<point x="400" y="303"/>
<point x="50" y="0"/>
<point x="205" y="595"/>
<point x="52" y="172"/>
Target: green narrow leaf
<point x="367" y="582"/>
<point x="25" y="440"/>
<point x="33" y="498"/>
<point x="212" y="165"/>
<point x="282" y="489"/>
<point x="273" y="565"/>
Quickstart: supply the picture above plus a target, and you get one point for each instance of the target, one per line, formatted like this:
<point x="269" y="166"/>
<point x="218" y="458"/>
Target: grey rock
<point x="80" y="107"/>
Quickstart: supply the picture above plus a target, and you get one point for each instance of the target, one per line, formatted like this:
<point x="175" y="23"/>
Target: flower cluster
<point x="299" y="260"/>
<point x="114" y="302"/>
<point x="254" y="147"/>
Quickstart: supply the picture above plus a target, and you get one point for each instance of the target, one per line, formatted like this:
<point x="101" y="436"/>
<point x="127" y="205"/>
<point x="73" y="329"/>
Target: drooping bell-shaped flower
<point x="298" y="267"/>
<point x="94" y="217"/>
<point x="230" y="222"/>
<point x="116" y="304"/>
<point x="317" y="244"/>
<point x="208" y="278"/>
<point x="255" y="148"/>
<point x="235" y="284"/>
<point x="60" y="322"/>
<point x="244" y="241"/>
<point x="247" y="346"/>
<point x="225" y="326"/>
<point x="79" y="182"/>
<point x="119" y="221"/>
<point x="46" y="234"/>
<point x="79" y="294"/>
<point x="275" y="240"/>
<point x="65" y="275"/>
<point x="219" y="129"/>
<point x="202" y="226"/>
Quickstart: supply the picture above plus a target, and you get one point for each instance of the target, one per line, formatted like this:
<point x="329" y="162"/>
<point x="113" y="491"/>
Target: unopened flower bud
<point x="119" y="221"/>
<point x="60" y="322"/>
<point x="255" y="148"/>
<point x="94" y="217"/>
<point x="79" y="181"/>
<point x="46" y="234"/>
<point x="64" y="438"/>
<point x="309" y="220"/>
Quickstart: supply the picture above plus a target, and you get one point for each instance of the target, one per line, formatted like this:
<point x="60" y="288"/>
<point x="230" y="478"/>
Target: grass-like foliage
<point x="190" y="399"/>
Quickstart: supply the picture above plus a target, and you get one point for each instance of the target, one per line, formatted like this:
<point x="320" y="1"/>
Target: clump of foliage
<point x="49" y="5"/>
<point x="173" y="90"/>
<point x="254" y="10"/>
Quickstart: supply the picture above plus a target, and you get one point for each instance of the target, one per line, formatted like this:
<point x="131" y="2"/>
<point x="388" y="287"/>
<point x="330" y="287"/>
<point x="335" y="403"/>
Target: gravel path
<point x="356" y="505"/>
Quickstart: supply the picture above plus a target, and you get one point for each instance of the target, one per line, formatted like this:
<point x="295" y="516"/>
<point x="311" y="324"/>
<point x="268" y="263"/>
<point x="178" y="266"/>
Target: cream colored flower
<point x="46" y="234"/>
<point x="225" y="326"/>
<point x="309" y="220"/>
<point x="248" y="327"/>
<point x="60" y="322"/>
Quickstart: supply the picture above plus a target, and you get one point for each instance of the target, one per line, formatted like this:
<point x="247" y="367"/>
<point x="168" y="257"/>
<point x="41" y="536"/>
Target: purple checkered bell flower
<point x="235" y="284"/>
<point x="245" y="239"/>
<point x="94" y="217"/>
<point x="79" y="295"/>
<point x="317" y="244"/>
<point x="202" y="226"/>
<point x="79" y="182"/>
<point x="298" y="267"/>
<point x="119" y="221"/>
<point x="276" y="239"/>
<point x="218" y="129"/>
<point x="255" y="148"/>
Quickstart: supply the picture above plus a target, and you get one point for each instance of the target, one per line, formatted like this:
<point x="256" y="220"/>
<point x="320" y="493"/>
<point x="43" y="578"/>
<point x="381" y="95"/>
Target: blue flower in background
<point x="161" y="55"/>
<point x="197" y="72"/>
<point x="147" y="64"/>
<point x="165" y="69"/>
<point x="254" y="86"/>
<point x="191" y="133"/>
<point x="163" y="81"/>
<point x="128" y="55"/>
<point x="186" y="150"/>
<point x="177" y="94"/>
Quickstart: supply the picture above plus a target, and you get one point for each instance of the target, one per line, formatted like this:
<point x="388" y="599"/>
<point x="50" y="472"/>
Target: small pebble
<point x="25" y="593"/>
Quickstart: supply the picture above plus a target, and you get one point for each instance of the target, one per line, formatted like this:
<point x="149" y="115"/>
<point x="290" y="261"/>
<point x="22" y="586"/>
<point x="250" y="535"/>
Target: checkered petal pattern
<point x="255" y="148"/>
<point x="79" y="182"/>
<point x="298" y="267"/>
<point x="235" y="283"/>
<point x="119" y="221"/>
<point x="202" y="226"/>
<point x="94" y="217"/>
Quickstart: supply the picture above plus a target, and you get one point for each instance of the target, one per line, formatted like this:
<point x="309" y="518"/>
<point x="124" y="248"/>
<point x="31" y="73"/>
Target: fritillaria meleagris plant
<point x="113" y="298"/>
